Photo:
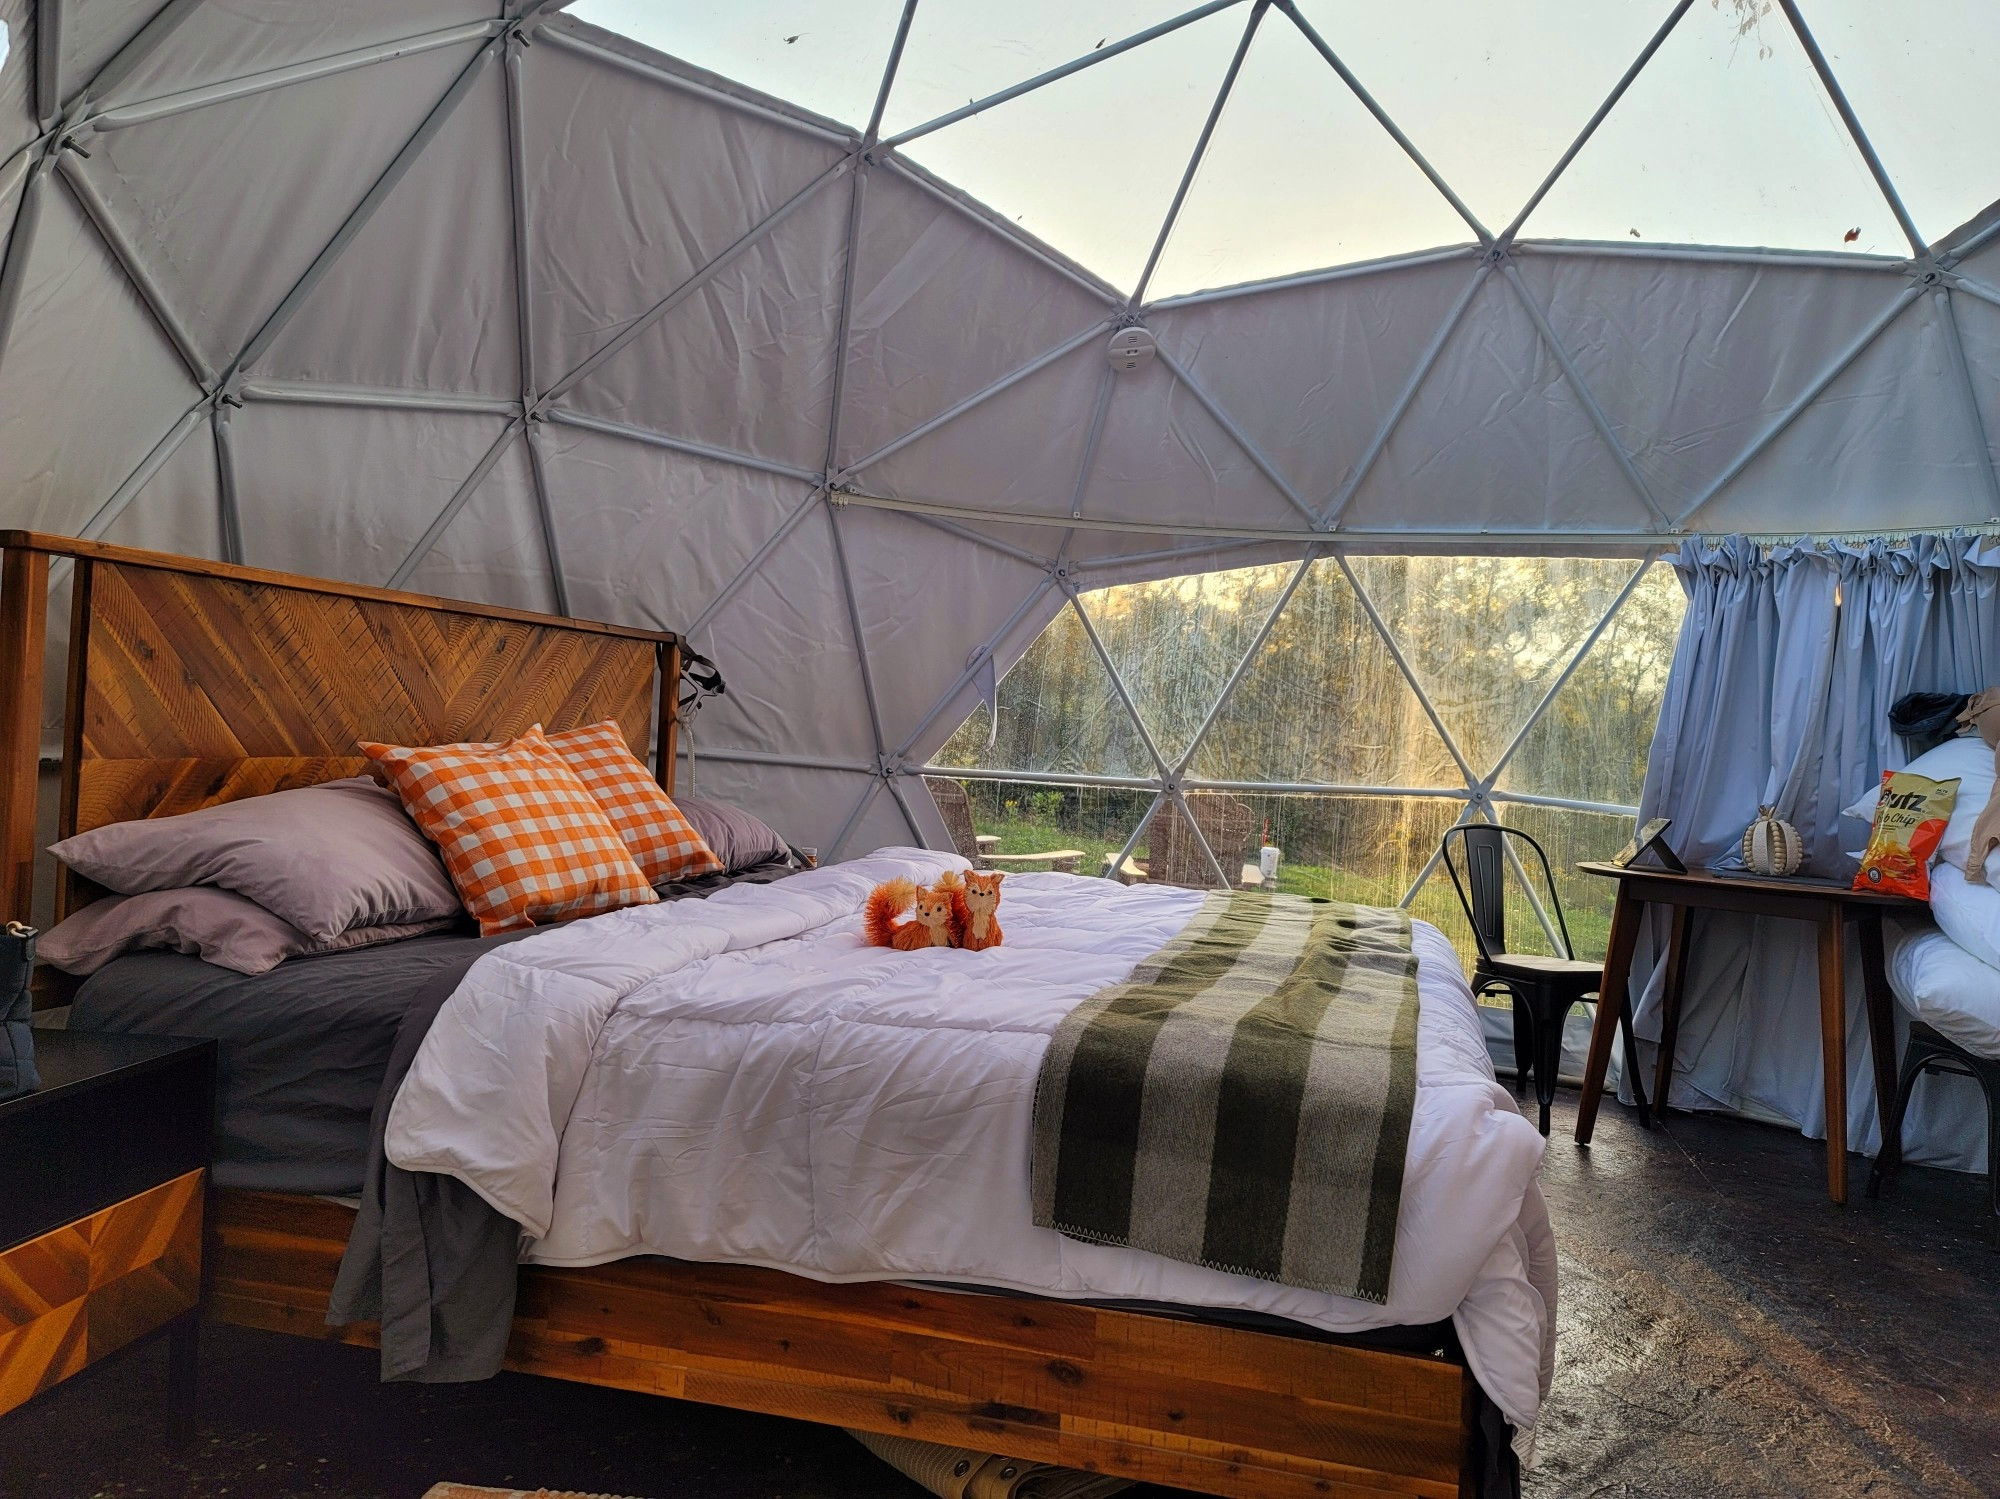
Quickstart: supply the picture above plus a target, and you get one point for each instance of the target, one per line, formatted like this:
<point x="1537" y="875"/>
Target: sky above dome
<point x="1726" y="137"/>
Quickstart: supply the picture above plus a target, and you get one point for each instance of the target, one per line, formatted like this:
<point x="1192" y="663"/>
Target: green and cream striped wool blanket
<point x="1243" y="1100"/>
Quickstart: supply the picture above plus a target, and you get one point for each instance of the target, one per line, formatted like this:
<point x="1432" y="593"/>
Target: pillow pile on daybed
<point x="1967" y="761"/>
<point x="522" y="836"/>
<point x="252" y="882"/>
<point x="1948" y="988"/>
<point x="662" y="841"/>
<point x="208" y="923"/>
<point x="539" y="828"/>
<point x="741" y="840"/>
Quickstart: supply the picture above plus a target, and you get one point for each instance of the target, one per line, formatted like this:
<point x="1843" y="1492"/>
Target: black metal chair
<point x="1544" y="989"/>
<point x="1929" y="1051"/>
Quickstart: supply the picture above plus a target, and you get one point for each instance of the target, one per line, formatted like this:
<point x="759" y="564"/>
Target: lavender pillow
<point x="220" y="928"/>
<point x="740" y="839"/>
<point x="323" y="858"/>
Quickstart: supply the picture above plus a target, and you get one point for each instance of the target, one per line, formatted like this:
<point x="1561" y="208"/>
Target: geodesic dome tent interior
<point x="785" y="325"/>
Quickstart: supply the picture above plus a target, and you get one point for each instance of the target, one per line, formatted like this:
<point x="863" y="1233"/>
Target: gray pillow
<point x="324" y="858"/>
<point x="220" y="928"/>
<point x="740" y="839"/>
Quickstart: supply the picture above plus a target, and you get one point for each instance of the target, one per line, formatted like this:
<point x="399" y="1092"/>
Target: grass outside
<point x="1586" y="902"/>
<point x="1019" y="836"/>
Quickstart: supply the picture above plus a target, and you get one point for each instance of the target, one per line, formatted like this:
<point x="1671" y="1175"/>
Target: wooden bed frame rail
<point x="1220" y="1409"/>
<point x="190" y="683"/>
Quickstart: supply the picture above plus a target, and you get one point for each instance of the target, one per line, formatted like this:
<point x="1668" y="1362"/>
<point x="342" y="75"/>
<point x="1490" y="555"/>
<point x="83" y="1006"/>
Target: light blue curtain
<point x="1779" y="695"/>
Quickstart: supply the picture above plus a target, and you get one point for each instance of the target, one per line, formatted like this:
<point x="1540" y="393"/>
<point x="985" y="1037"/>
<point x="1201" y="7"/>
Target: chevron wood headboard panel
<point x="192" y="683"/>
<point x="200" y="690"/>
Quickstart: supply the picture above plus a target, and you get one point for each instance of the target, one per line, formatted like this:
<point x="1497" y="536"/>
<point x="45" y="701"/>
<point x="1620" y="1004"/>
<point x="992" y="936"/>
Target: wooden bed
<point x="191" y="683"/>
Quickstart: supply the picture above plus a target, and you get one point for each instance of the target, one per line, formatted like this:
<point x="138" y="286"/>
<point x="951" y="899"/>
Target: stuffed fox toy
<point x="975" y="907"/>
<point x="958" y="911"/>
<point x="930" y="916"/>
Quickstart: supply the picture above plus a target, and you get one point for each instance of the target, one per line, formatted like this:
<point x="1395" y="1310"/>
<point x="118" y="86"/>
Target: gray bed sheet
<point x="304" y="1048"/>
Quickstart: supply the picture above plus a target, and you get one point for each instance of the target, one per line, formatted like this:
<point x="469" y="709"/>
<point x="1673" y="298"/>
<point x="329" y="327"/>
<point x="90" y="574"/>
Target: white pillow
<point x="1948" y="988"/>
<point x="1970" y="761"/>
<point x="1968" y="913"/>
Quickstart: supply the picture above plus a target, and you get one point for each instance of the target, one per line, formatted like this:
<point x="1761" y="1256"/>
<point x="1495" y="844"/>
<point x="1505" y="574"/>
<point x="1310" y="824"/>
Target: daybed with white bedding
<point x="741" y="1080"/>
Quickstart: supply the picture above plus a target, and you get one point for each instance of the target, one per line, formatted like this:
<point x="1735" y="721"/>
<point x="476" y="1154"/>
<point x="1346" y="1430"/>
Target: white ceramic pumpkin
<point x="1771" y="845"/>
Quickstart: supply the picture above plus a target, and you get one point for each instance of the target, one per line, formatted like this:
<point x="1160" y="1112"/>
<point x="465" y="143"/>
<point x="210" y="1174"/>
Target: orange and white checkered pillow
<point x="522" y="838"/>
<point x="661" y="838"/>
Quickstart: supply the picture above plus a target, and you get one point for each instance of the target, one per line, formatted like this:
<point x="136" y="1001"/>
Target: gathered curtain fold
<point x="1779" y="695"/>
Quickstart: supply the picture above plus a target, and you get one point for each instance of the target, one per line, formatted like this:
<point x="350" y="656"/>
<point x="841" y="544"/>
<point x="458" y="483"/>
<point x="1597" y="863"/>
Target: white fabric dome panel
<point x="1311" y="372"/>
<point x="618" y="222"/>
<point x="230" y="204"/>
<point x="653" y="537"/>
<point x="746" y="362"/>
<point x="82" y="344"/>
<point x="385" y="318"/>
<point x="376" y="478"/>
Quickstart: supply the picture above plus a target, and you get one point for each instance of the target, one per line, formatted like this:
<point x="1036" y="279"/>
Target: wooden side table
<point x="102" y="1174"/>
<point x="1828" y="904"/>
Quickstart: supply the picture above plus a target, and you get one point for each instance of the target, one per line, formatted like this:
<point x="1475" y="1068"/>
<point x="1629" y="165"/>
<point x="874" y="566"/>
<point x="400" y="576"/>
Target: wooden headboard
<point x="192" y="683"/>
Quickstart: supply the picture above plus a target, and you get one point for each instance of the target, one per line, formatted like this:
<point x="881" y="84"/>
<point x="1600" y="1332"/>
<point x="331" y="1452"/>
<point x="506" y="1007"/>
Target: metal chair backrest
<point x="1482" y="885"/>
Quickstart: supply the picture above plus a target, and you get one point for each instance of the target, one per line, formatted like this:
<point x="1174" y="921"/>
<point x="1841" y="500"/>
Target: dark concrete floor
<point x="1725" y="1333"/>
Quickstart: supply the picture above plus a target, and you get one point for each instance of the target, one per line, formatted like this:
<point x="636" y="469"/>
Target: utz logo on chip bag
<point x="1909" y="822"/>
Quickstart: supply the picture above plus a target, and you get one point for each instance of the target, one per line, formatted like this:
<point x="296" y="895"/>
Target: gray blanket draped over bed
<point x="1243" y="1100"/>
<point x="428" y="1257"/>
<point x="312" y="1055"/>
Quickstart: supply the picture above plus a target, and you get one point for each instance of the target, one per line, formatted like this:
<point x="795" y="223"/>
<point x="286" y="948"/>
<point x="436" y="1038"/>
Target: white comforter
<point x="740" y="1079"/>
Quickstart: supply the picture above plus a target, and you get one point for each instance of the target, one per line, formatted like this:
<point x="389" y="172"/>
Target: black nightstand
<point x="102" y="1174"/>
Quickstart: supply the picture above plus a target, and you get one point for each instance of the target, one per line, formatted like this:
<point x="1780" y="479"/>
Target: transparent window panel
<point x="1371" y="850"/>
<point x="1591" y="743"/>
<point x="1090" y="163"/>
<point x="1365" y="849"/>
<point x="1569" y="837"/>
<point x="1921" y="81"/>
<point x="962" y="50"/>
<point x="1029" y="817"/>
<point x="1726" y="138"/>
<point x="827" y="55"/>
<point x="1346" y="191"/>
<point x="1059" y="713"/>
<point x="1491" y="94"/>
<point x="1176" y="641"/>
<point x="1488" y="636"/>
<point x="1324" y="701"/>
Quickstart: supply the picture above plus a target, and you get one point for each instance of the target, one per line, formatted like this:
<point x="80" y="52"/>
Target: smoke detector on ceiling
<point x="1131" y="348"/>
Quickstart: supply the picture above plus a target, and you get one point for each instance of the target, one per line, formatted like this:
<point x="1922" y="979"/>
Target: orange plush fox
<point x="930" y="916"/>
<point x="975" y="908"/>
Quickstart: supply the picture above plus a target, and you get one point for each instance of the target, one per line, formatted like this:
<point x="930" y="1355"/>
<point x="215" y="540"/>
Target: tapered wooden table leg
<point x="1611" y="1000"/>
<point x="1833" y="1048"/>
<point x="1881" y="1010"/>
<point x="1670" y="1006"/>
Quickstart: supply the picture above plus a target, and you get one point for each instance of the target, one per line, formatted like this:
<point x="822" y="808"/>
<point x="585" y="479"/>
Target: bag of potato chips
<point x="1909" y="821"/>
